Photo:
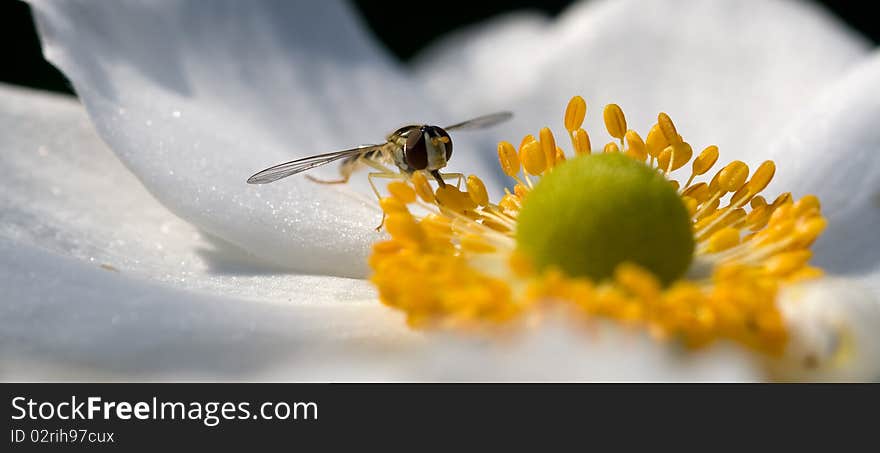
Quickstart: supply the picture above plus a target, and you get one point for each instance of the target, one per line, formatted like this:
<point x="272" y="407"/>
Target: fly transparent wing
<point x="293" y="167"/>
<point x="482" y="121"/>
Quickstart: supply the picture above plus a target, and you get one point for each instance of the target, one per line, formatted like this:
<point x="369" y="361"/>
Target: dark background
<point x="23" y="64"/>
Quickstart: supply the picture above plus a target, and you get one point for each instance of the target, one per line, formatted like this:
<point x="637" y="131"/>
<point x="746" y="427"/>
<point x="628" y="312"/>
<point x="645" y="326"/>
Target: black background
<point x="22" y="62"/>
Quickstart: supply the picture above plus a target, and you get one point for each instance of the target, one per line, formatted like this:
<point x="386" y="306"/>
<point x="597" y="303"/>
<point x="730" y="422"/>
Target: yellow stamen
<point x="532" y="157"/>
<point x="477" y="191"/>
<point x="422" y="187"/>
<point x="560" y="155"/>
<point x="705" y="160"/>
<point x="636" y="146"/>
<point x="575" y="113"/>
<point x="509" y="159"/>
<point x="786" y="263"/>
<point x="668" y="129"/>
<point x="733" y="176"/>
<point x="759" y="180"/>
<point x="402" y="191"/>
<point x="581" y="142"/>
<point x="548" y="144"/>
<point x="476" y="244"/>
<point x="451" y="198"/>
<point x="611" y="147"/>
<point x="699" y="192"/>
<point x="656" y="142"/>
<point x="675" y="156"/>
<point x="392" y="204"/>
<point x="403" y="227"/>
<point x="723" y="239"/>
<point x="615" y="121"/>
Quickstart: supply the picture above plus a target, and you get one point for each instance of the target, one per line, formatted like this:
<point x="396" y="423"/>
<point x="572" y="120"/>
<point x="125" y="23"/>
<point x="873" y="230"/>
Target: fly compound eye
<point x="443" y="137"/>
<point x="415" y="151"/>
<point x="439" y="136"/>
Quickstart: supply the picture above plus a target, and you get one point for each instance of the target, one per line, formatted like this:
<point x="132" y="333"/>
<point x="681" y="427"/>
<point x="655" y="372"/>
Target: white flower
<point x="101" y="277"/>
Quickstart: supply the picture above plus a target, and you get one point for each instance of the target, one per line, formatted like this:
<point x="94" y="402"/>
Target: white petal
<point x="556" y="350"/>
<point x="195" y="99"/>
<point x="65" y="192"/>
<point x="834" y="335"/>
<point x="73" y="321"/>
<point x="729" y="72"/>
<point x="831" y="151"/>
<point x="61" y="318"/>
<point x="101" y="280"/>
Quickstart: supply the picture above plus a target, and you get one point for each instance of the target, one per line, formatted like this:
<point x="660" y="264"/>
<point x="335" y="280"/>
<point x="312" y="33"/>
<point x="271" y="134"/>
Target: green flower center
<point x="594" y="212"/>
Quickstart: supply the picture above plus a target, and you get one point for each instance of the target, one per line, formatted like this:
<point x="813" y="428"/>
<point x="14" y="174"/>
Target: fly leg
<point x="382" y="172"/>
<point x="342" y="180"/>
<point x="348" y="166"/>
<point x="441" y="177"/>
<point x="383" y="175"/>
<point x="459" y="176"/>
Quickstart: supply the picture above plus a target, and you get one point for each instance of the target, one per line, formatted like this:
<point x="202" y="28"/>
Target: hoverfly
<point x="418" y="147"/>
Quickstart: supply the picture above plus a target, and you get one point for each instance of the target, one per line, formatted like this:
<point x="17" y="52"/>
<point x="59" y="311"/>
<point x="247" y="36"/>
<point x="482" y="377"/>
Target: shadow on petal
<point x="223" y="258"/>
<point x="831" y="151"/>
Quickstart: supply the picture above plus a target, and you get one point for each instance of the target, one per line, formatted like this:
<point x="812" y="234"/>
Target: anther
<point x="392" y="204"/>
<point x="475" y="244"/>
<point x="758" y="202"/>
<point x="581" y="142"/>
<point x="548" y="145"/>
<point x="786" y="263"/>
<point x="477" y="191"/>
<point x="508" y="158"/>
<point x="451" y="198"/>
<point x="560" y="155"/>
<point x="806" y="204"/>
<point x="635" y="146"/>
<point x="656" y="142"/>
<point x="403" y="226"/>
<point x="723" y="239"/>
<point x="509" y="204"/>
<point x="762" y="177"/>
<point x="733" y="176"/>
<point x="615" y="121"/>
<point x="532" y="157"/>
<point x="527" y="139"/>
<point x="782" y="199"/>
<point x="402" y="192"/>
<point x="611" y="147"/>
<point x="422" y="187"/>
<point x="668" y="128"/>
<point x="575" y="113"/>
<point x="436" y="224"/>
<point x="807" y="232"/>
<point x="675" y="156"/>
<point x="705" y="160"/>
<point x="699" y="192"/>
